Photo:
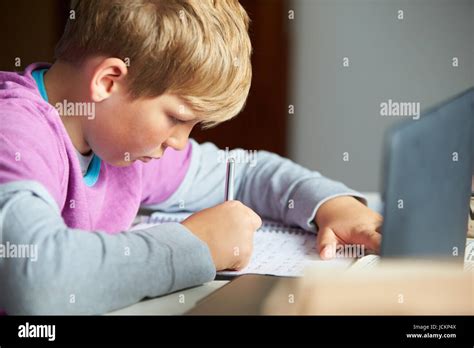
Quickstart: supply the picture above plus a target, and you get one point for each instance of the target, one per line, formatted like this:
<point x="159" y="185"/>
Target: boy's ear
<point x="105" y="78"/>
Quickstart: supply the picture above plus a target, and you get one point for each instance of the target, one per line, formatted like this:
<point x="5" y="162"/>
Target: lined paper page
<point x="284" y="253"/>
<point x="278" y="249"/>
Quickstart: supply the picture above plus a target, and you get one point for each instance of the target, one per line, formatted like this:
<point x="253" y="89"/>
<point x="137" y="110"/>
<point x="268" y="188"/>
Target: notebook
<point x="279" y="250"/>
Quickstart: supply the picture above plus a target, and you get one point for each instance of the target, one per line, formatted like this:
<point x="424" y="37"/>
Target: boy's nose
<point x="179" y="139"/>
<point x="177" y="143"/>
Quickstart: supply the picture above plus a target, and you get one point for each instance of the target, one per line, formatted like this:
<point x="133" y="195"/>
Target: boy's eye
<point x="176" y="120"/>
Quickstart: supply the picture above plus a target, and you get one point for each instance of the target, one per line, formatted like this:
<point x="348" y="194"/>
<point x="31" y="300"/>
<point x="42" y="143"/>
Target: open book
<point x="282" y="250"/>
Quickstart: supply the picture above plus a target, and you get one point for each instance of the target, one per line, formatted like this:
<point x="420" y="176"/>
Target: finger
<point x="378" y="224"/>
<point x="369" y="238"/>
<point x="378" y="229"/>
<point x="254" y="218"/>
<point x="257" y="221"/>
<point x="326" y="242"/>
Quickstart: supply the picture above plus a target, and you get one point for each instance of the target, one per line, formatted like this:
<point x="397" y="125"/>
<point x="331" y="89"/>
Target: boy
<point x="105" y="129"/>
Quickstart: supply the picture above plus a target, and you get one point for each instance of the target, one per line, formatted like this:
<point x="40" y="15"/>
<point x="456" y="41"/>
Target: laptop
<point x="427" y="171"/>
<point x="428" y="168"/>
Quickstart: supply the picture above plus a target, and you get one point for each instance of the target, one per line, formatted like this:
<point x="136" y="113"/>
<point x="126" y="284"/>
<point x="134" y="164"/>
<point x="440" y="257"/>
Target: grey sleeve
<point x="82" y="272"/>
<point x="275" y="187"/>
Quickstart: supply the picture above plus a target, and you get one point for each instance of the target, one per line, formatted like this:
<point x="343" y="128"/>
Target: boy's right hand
<point x="228" y="230"/>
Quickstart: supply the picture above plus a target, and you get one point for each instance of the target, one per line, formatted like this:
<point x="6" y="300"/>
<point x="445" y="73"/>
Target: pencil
<point x="229" y="180"/>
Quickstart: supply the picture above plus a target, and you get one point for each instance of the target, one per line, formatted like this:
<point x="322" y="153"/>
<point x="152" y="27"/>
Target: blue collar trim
<point x="93" y="171"/>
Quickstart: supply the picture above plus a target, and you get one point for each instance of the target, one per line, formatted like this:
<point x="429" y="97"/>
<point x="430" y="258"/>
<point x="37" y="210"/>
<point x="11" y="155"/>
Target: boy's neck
<point x="61" y="83"/>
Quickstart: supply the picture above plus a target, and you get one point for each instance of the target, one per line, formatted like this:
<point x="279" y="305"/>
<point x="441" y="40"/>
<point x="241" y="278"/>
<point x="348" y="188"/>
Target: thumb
<point x="326" y="242"/>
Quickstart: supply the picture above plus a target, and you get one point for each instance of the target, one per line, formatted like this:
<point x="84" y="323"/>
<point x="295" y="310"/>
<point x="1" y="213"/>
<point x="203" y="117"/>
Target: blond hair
<point x="198" y="50"/>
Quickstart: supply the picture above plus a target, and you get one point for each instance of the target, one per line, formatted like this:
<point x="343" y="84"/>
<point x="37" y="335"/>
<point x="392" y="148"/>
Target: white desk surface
<point x="177" y="304"/>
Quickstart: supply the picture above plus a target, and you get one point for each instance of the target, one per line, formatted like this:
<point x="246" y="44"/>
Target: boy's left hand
<point x="345" y="220"/>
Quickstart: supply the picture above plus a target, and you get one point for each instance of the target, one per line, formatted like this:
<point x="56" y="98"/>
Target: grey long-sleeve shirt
<point x="79" y="272"/>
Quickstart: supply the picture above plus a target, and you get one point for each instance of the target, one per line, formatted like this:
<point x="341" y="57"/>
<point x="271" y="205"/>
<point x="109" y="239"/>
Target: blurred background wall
<point x="29" y="30"/>
<point x="337" y="108"/>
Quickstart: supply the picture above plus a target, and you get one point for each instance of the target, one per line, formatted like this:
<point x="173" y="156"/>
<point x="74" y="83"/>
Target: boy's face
<point x="125" y="131"/>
